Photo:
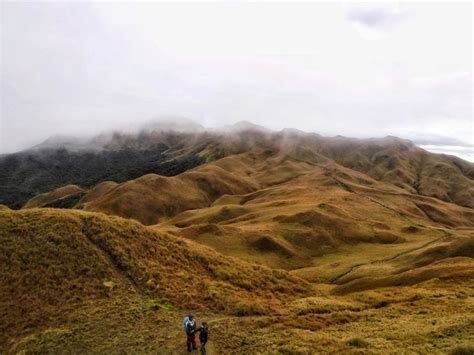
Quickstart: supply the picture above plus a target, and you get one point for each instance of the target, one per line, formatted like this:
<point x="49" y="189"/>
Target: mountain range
<point x="345" y="244"/>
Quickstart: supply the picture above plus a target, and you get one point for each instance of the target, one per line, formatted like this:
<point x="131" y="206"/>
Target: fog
<point x="359" y="70"/>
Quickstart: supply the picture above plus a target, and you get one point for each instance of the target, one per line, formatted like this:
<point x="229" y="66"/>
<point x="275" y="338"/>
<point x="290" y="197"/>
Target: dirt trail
<point x="211" y="348"/>
<point x="354" y="267"/>
<point x="121" y="274"/>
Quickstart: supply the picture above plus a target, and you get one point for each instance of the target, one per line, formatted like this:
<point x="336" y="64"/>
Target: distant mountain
<point x="429" y="139"/>
<point x="72" y="143"/>
<point x="123" y="156"/>
<point x="244" y="126"/>
<point x="164" y="124"/>
<point x="173" y="124"/>
<point x="25" y="174"/>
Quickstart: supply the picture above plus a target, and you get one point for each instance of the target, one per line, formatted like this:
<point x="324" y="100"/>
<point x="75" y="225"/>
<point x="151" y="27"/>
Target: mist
<point x="360" y="70"/>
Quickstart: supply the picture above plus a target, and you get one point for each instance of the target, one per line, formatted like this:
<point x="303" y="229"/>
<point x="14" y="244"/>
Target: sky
<point x="354" y="69"/>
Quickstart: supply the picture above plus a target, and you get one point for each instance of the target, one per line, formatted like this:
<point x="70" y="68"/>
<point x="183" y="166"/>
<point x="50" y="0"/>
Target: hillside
<point x="77" y="281"/>
<point x="26" y="174"/>
<point x="58" y="264"/>
<point x="402" y="163"/>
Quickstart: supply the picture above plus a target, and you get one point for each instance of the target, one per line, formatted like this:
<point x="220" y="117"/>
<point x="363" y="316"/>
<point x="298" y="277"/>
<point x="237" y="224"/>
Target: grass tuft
<point x="358" y="343"/>
<point x="463" y="350"/>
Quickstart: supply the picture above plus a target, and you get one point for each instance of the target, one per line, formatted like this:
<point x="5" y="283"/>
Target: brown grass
<point x="55" y="195"/>
<point x="382" y="230"/>
<point x="54" y="261"/>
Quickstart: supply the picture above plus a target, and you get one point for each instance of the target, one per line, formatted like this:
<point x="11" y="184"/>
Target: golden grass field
<point x="84" y="282"/>
<point x="285" y="245"/>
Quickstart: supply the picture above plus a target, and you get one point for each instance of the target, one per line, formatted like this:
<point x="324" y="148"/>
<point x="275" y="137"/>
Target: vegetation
<point x="55" y="261"/>
<point x="282" y="243"/>
<point x="126" y="157"/>
<point x="462" y="350"/>
<point x="357" y="342"/>
<point x="26" y="174"/>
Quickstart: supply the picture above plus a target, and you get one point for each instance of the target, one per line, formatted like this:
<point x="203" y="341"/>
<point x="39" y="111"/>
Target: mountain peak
<point x="246" y="126"/>
<point x="70" y="143"/>
<point x="173" y="123"/>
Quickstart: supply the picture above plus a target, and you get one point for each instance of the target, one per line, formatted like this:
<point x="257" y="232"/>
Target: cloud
<point x="82" y="68"/>
<point x="466" y="153"/>
<point x="375" y="20"/>
<point x="375" y="17"/>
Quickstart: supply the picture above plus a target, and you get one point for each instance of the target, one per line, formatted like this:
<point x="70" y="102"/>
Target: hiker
<point x="203" y="332"/>
<point x="190" y="329"/>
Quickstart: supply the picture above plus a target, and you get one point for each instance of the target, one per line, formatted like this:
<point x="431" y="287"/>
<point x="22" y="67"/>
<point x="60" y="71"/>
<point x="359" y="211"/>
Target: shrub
<point x="358" y="343"/>
<point x="463" y="350"/>
<point x="248" y="309"/>
<point x="381" y="304"/>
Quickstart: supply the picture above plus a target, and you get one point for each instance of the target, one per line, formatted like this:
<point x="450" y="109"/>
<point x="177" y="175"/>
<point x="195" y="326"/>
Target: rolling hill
<point x="279" y="201"/>
<point x="287" y="242"/>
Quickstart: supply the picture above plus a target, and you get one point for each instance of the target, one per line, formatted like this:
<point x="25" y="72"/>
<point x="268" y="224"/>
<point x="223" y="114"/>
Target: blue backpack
<point x="185" y="320"/>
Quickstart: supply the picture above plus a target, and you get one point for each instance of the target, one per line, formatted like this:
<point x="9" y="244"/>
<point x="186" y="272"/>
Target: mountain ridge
<point x="262" y="234"/>
<point x="390" y="159"/>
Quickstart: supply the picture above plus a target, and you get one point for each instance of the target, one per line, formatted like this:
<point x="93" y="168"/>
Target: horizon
<point x="456" y="148"/>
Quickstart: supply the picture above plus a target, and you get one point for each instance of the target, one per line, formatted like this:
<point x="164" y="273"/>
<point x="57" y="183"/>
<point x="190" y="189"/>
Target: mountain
<point x="26" y="174"/>
<point x="278" y="208"/>
<point x="286" y="242"/>
<point x="172" y="124"/>
<point x="244" y="126"/>
<point x="74" y="144"/>
<point x="127" y="156"/>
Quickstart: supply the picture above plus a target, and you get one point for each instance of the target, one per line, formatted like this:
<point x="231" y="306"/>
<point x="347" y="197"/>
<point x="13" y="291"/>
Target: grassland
<point x="84" y="282"/>
<point x="285" y="245"/>
<point x="55" y="262"/>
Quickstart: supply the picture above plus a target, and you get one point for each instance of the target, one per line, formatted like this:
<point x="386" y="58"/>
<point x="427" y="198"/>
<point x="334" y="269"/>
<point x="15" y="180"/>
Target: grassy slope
<point x="88" y="283"/>
<point x="152" y="197"/>
<point x="44" y="199"/>
<point x="402" y="163"/>
<point x="302" y="210"/>
<point x="55" y="262"/>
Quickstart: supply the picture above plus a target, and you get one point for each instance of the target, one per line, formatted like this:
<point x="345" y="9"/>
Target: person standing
<point x="203" y="334"/>
<point x="190" y="328"/>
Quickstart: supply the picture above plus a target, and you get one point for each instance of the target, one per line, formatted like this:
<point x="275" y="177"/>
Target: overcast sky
<point x="352" y="69"/>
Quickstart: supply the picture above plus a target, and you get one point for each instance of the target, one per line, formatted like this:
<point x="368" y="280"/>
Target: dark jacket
<point x="191" y="327"/>
<point x="203" y="331"/>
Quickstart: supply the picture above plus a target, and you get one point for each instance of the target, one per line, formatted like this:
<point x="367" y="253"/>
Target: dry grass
<point x="391" y="270"/>
<point x="44" y="199"/>
<point x="151" y="198"/>
<point x="83" y="282"/>
<point x="308" y="210"/>
<point x="54" y="261"/>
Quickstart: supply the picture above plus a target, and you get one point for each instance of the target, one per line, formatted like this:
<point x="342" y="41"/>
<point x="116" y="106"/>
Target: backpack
<point x="185" y="320"/>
